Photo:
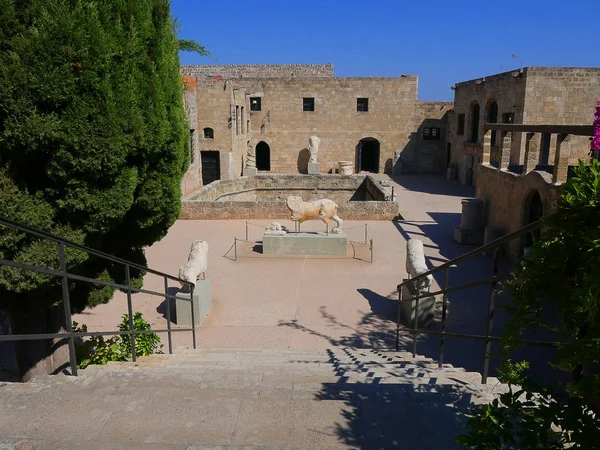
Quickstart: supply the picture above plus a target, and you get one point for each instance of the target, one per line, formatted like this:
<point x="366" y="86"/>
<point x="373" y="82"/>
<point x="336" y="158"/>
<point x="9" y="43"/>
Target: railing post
<point x="67" y="306"/>
<point x="561" y="159"/>
<point x="490" y="321"/>
<point x="416" y="323"/>
<point x="532" y="152"/>
<point x="193" y="318"/>
<point x="130" y="311"/>
<point x="443" y="327"/>
<point x="487" y="147"/>
<point x="505" y="146"/>
<point x="399" y="306"/>
<point x="168" y="299"/>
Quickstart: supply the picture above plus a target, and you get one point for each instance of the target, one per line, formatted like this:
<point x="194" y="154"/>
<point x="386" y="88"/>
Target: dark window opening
<point x="192" y="147"/>
<point x="431" y="134"/>
<point x="237" y="120"/>
<point x="308" y="104"/>
<point x="535" y="212"/>
<point x="362" y="104"/>
<point x="368" y="155"/>
<point x="263" y="156"/>
<point x="508" y="118"/>
<point x="255" y="104"/>
<point x="475" y="123"/>
<point x="211" y="167"/>
<point x="209" y="133"/>
<point x="460" y="130"/>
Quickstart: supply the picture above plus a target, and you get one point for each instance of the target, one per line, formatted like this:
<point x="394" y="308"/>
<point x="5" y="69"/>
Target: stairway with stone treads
<point x="247" y="398"/>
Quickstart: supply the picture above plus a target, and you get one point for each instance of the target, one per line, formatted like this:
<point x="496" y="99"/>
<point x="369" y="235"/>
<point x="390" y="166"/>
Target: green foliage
<point x="193" y="46"/>
<point x="93" y="138"/>
<point x="563" y="270"/>
<point x="100" y="350"/>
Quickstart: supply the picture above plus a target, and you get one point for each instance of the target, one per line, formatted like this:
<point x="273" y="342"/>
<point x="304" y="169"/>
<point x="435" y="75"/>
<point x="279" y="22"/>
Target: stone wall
<point x="259" y="70"/>
<point x="214" y="201"/>
<point x="507" y="196"/>
<point x="192" y="179"/>
<point x="421" y="155"/>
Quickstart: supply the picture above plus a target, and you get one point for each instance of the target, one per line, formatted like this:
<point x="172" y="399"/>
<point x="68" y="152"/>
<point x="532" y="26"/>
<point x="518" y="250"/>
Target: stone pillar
<point x="470" y="230"/>
<point x="505" y="146"/>
<point x="532" y="152"/>
<point x="561" y="159"/>
<point x="487" y="147"/>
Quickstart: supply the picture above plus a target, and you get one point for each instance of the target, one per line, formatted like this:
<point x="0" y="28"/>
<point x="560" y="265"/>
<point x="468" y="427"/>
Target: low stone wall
<point x="359" y="197"/>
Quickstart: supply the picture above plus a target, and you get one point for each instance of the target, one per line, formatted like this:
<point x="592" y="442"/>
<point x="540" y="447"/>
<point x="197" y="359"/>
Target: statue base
<point x="468" y="237"/>
<point x="306" y="244"/>
<point x="314" y="168"/>
<point x="408" y="305"/>
<point x="250" y="171"/>
<point x="181" y="313"/>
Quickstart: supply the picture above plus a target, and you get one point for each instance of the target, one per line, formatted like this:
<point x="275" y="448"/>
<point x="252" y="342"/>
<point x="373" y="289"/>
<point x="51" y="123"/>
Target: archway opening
<point x="492" y="117"/>
<point x="263" y="156"/>
<point x="368" y="155"/>
<point x="474" y="122"/>
<point x="534" y="210"/>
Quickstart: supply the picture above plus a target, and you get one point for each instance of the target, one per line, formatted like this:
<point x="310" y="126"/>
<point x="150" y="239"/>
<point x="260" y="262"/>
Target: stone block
<point x="181" y="313"/>
<point x="314" y="168"/>
<point x="250" y="171"/>
<point x="408" y="306"/>
<point x="306" y="244"/>
<point x="468" y="236"/>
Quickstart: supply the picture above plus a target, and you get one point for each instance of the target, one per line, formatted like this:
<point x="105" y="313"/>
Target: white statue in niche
<point x="195" y="268"/>
<point x="313" y="147"/>
<point x="323" y="209"/>
<point x="250" y="156"/>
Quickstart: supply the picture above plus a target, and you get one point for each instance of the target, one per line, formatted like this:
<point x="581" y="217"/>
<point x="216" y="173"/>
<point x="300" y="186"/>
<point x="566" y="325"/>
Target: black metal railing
<point x="492" y="281"/>
<point x="128" y="288"/>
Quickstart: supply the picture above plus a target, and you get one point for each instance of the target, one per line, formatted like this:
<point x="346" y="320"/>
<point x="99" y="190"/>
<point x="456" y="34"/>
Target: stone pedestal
<point x="181" y="313"/>
<point x="492" y="233"/>
<point x="345" y="167"/>
<point x="250" y="171"/>
<point x="470" y="230"/>
<point x="306" y="244"/>
<point x="314" y="168"/>
<point x="408" y="305"/>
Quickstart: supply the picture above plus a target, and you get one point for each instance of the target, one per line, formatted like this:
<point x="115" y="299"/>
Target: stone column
<point x="532" y="152"/>
<point x="561" y="159"/>
<point x="487" y="147"/>
<point x="505" y="145"/>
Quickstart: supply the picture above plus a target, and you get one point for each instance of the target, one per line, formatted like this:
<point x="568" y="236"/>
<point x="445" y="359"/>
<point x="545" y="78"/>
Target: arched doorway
<point x="474" y="116"/>
<point x="534" y="210"/>
<point x="263" y="156"/>
<point x="368" y="155"/>
<point x="492" y="117"/>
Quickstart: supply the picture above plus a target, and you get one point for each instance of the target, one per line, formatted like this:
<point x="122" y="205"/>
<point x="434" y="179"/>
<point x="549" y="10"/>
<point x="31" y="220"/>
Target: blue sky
<point x="441" y="42"/>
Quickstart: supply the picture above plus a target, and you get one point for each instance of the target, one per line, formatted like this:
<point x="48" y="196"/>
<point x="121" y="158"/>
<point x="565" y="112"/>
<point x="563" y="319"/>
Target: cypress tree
<point x="93" y="145"/>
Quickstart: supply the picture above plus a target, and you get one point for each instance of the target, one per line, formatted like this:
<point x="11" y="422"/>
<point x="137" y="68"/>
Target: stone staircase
<point x="247" y="399"/>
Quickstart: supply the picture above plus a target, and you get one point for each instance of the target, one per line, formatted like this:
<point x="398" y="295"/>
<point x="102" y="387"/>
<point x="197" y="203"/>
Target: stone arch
<point x="368" y="152"/>
<point x="491" y="116"/>
<point x="533" y="209"/>
<point x="474" y="112"/>
<point x="263" y="156"/>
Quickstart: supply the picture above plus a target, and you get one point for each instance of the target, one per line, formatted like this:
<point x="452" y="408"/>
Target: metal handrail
<point x="66" y="276"/>
<point x="492" y="281"/>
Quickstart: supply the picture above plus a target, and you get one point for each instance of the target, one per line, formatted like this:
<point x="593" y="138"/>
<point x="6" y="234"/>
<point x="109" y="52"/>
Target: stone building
<point x="376" y="123"/>
<point x="514" y="135"/>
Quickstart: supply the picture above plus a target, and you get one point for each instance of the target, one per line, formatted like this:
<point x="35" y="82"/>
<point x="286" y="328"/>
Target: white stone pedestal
<point x="314" y="168"/>
<point x="409" y="307"/>
<point x="181" y="312"/>
<point x="306" y="244"/>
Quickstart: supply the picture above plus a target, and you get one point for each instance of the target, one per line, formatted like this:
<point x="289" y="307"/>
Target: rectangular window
<point x="192" y="147"/>
<point x="237" y="120"/>
<point x="247" y="126"/>
<point x="508" y="118"/>
<point x="255" y="104"/>
<point x="308" y="104"/>
<point x="362" y="104"/>
<point x="431" y="134"/>
<point x="460" y="130"/>
<point x="242" y="120"/>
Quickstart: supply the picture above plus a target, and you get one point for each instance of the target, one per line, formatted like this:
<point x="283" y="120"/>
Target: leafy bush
<point x="100" y="350"/>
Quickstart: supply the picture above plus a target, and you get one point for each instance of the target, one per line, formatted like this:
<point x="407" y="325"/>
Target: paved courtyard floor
<point x="262" y="301"/>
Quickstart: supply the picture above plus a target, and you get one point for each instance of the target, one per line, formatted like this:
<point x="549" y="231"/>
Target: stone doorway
<point x="263" y="156"/>
<point x="368" y="155"/>
<point x="534" y="210"/>
<point x="211" y="166"/>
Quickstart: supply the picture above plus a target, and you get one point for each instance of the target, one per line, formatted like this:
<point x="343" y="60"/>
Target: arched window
<point x="474" y="122"/>
<point x="492" y="116"/>
<point x="209" y="133"/>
